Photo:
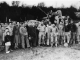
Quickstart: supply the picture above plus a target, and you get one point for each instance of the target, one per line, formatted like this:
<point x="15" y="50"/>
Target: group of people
<point x="58" y="33"/>
<point x="32" y="33"/>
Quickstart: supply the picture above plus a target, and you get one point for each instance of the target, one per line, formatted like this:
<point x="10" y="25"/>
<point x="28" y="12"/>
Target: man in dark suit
<point x="73" y="32"/>
<point x="67" y="32"/>
<point x="32" y="33"/>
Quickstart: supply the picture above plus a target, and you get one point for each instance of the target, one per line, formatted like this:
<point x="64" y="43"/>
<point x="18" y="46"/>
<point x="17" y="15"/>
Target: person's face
<point x="67" y="16"/>
<point x="49" y="23"/>
<point x="55" y="21"/>
<point x="60" y="22"/>
<point x="71" y="21"/>
<point x="10" y="24"/>
<point x="14" y="23"/>
<point x="17" y="23"/>
<point x="7" y="33"/>
<point x="53" y="25"/>
<point x="66" y="21"/>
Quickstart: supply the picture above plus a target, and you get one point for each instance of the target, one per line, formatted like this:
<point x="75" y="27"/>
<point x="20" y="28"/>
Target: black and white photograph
<point x="39" y="29"/>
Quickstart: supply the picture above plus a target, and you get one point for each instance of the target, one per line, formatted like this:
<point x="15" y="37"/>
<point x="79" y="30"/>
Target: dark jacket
<point x="16" y="30"/>
<point x="7" y="38"/>
<point x="73" y="27"/>
<point x="67" y="28"/>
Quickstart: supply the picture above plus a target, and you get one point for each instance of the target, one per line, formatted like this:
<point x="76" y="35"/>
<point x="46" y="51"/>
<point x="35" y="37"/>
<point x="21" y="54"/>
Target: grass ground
<point x="43" y="53"/>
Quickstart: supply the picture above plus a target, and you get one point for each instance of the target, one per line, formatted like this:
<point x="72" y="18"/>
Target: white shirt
<point x="54" y="29"/>
<point x="41" y="28"/>
<point x="60" y="27"/>
<point x="57" y="18"/>
<point x="49" y="28"/>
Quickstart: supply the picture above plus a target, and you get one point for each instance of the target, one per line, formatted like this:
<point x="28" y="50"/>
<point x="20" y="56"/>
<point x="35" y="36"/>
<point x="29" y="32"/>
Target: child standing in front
<point x="7" y="42"/>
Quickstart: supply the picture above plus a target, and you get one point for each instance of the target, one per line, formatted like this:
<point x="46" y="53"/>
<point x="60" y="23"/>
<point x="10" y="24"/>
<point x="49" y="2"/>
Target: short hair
<point x="7" y="32"/>
<point x="7" y="29"/>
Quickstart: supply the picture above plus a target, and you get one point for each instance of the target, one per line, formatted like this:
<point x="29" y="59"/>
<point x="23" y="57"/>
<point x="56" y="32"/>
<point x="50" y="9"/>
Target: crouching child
<point x="7" y="42"/>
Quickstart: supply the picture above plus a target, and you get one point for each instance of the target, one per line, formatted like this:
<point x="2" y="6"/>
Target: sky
<point x="54" y="3"/>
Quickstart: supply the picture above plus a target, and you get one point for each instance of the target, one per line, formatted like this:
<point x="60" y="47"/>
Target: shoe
<point x="11" y="50"/>
<point x="39" y="45"/>
<point x="8" y="52"/>
<point x="30" y="47"/>
<point x="51" y="46"/>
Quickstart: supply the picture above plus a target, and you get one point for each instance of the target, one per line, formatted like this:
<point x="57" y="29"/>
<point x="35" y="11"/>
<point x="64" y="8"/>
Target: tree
<point x="62" y="6"/>
<point x="78" y="14"/>
<point x="15" y="3"/>
<point x="41" y="4"/>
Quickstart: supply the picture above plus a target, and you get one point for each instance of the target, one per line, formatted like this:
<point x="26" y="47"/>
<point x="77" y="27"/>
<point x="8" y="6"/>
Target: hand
<point x="29" y="37"/>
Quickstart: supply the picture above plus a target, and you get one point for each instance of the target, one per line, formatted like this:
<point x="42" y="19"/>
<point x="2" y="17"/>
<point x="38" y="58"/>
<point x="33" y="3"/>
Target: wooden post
<point x="6" y="19"/>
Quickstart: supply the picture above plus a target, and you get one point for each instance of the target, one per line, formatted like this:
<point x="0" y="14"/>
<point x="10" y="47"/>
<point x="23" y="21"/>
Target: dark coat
<point x="16" y="30"/>
<point x="67" y="28"/>
<point x="73" y="27"/>
<point x="7" y="38"/>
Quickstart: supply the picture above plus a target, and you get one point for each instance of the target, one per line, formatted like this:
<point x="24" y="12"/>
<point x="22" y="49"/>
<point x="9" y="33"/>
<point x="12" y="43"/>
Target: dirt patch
<point x="43" y="53"/>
